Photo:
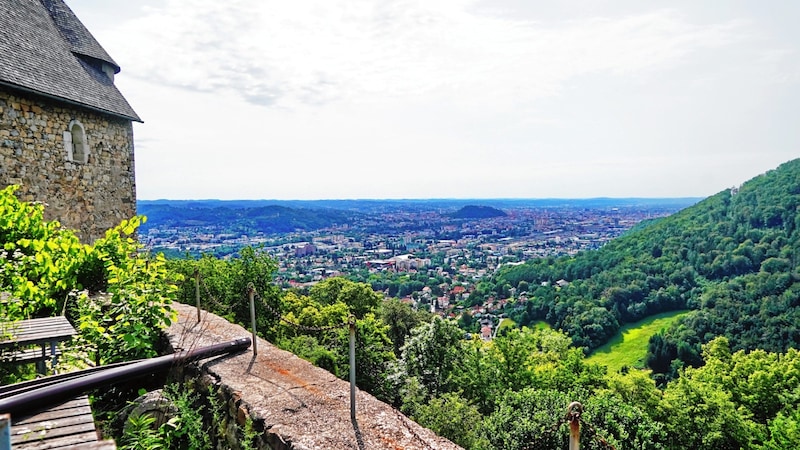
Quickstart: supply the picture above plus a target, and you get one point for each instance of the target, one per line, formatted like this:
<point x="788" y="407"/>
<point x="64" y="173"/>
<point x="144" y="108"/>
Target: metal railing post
<point x="197" y="291"/>
<point x="352" y="323"/>
<point x="251" y="293"/>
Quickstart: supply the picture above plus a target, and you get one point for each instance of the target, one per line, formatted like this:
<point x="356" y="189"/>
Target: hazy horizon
<point x="455" y="199"/>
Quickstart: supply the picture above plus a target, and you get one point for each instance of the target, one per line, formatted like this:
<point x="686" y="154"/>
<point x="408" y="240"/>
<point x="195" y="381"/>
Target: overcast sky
<point x="251" y="99"/>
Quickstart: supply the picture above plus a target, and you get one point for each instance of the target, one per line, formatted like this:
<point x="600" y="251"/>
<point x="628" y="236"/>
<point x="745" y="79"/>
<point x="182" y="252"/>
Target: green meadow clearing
<point x="506" y="323"/>
<point x="540" y="325"/>
<point x="629" y="346"/>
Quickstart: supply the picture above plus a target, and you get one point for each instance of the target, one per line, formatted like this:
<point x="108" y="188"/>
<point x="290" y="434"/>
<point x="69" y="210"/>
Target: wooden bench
<point x="44" y="334"/>
<point x="69" y="425"/>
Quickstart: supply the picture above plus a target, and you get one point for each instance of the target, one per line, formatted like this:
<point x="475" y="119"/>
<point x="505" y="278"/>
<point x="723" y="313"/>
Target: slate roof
<point x="46" y="50"/>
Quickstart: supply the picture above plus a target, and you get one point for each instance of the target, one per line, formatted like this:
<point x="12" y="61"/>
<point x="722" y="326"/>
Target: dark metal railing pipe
<point x="53" y="394"/>
<point x="25" y="386"/>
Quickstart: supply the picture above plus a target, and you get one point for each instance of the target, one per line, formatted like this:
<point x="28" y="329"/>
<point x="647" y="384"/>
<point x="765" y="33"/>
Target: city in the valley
<point x="432" y="254"/>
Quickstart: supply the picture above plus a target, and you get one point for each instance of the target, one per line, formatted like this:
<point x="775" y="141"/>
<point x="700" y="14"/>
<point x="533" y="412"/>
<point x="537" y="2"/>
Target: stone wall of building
<point x="90" y="197"/>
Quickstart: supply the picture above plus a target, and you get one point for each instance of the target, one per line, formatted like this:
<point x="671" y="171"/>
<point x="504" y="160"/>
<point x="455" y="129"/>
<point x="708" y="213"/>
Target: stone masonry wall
<point x="89" y="197"/>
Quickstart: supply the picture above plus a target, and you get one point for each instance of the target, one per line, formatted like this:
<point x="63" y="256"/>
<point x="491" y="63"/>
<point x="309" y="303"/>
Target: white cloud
<point x="286" y="53"/>
<point x="402" y="98"/>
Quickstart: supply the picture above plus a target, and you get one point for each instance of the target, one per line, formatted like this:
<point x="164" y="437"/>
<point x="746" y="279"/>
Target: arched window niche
<point x="75" y="143"/>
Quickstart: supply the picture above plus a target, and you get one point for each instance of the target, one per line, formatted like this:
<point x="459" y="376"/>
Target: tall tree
<point x="401" y="319"/>
<point x="432" y="353"/>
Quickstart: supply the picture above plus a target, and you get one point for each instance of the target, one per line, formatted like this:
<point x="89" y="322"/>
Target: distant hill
<point x="732" y="258"/>
<point x="268" y="219"/>
<point x="477" y="212"/>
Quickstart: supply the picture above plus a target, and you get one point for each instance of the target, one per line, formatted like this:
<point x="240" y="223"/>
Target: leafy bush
<point x="127" y="323"/>
<point x="224" y="286"/>
<point x="41" y="264"/>
<point x="452" y="417"/>
<point x="141" y="434"/>
<point x="39" y="260"/>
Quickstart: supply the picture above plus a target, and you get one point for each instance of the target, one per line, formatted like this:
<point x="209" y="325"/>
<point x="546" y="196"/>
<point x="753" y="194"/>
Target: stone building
<point x="66" y="132"/>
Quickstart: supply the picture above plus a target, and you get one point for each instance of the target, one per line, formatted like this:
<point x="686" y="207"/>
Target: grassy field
<point x="629" y="347"/>
<point x="507" y="323"/>
<point x="540" y="325"/>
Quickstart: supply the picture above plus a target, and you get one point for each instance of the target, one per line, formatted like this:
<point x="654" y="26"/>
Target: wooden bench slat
<point x="30" y="338"/>
<point x="80" y="402"/>
<point x="99" y="445"/>
<point x="41" y="321"/>
<point x="26" y="356"/>
<point x="68" y="441"/>
<point x="40" y="434"/>
<point x="28" y="326"/>
<point x="39" y="333"/>
<point x="49" y="415"/>
<point x="55" y="426"/>
<point x="77" y="402"/>
<point x="35" y="329"/>
<point x="68" y="425"/>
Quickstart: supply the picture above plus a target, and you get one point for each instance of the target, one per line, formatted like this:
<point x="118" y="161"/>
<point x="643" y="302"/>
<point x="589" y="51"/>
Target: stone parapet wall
<point x="90" y="197"/>
<point x="291" y="403"/>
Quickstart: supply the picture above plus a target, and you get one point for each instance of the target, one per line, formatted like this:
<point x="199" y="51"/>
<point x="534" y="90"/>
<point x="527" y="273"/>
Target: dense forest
<point x="511" y="393"/>
<point x="731" y="258"/>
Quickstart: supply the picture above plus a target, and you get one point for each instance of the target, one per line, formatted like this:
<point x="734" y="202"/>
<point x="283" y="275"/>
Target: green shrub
<point x="141" y="434"/>
<point x="127" y="323"/>
<point x="224" y="286"/>
<point x="39" y="260"/>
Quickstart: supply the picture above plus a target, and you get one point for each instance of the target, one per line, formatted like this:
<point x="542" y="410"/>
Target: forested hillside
<point x="266" y="219"/>
<point x="477" y="212"/>
<point x="731" y="258"/>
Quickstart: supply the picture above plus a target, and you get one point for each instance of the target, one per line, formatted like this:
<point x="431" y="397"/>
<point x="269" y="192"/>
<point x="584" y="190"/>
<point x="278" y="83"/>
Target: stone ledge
<point x="299" y="406"/>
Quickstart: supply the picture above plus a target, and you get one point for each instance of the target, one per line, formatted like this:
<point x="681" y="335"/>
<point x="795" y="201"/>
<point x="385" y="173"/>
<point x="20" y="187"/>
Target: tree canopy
<point x="731" y="258"/>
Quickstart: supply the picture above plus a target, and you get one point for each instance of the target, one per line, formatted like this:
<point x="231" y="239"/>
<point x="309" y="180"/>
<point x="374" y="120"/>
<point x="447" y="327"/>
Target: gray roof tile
<point x="45" y="49"/>
<point x="81" y="41"/>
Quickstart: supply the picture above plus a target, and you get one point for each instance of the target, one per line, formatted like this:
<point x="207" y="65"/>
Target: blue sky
<point x="249" y="99"/>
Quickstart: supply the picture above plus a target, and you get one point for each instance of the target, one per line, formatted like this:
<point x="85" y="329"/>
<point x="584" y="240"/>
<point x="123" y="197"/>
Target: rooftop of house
<point x="46" y="50"/>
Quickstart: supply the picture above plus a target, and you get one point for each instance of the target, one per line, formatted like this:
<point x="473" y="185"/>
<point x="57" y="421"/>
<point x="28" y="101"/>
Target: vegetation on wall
<point x="187" y="423"/>
<point x="126" y="323"/>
